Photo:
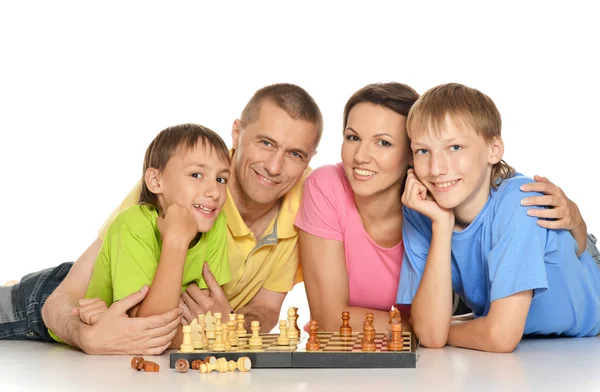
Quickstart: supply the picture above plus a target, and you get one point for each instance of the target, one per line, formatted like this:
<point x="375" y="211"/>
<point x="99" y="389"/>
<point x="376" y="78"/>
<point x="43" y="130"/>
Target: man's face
<point x="271" y="153"/>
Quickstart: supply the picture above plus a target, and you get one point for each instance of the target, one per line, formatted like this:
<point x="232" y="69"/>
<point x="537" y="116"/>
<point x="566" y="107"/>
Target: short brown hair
<point x="294" y="100"/>
<point x="397" y="97"/>
<point x="467" y="107"/>
<point x="166" y="144"/>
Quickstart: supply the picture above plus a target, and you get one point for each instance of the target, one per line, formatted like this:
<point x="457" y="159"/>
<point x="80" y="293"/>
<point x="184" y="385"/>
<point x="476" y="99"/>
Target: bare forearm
<point x="268" y="317"/>
<point x="165" y="291"/>
<point x="474" y="334"/>
<point x="431" y="309"/>
<point x="57" y="317"/>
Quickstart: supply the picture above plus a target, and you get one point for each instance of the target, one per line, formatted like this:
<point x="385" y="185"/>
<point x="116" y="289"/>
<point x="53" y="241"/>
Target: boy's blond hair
<point x="466" y="107"/>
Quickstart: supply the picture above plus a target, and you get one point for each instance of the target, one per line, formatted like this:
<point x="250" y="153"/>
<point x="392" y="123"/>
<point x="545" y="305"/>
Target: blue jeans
<point x="21" y="304"/>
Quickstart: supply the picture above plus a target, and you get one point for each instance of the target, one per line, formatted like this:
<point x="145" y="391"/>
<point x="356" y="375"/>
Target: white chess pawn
<point x="292" y="332"/>
<point x="282" y="339"/>
<point x="240" y="330"/>
<point x="255" y="340"/>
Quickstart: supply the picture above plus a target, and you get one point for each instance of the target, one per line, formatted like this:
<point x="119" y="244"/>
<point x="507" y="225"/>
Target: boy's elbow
<point x="504" y="340"/>
<point x="431" y="338"/>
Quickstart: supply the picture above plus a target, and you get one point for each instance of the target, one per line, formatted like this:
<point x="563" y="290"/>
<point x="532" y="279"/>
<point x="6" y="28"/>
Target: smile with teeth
<point x="265" y="179"/>
<point x="446" y="184"/>
<point x="364" y="172"/>
<point x="203" y="209"/>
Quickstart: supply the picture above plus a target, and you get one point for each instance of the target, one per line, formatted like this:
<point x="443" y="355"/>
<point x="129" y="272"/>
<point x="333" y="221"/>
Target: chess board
<point x="335" y="351"/>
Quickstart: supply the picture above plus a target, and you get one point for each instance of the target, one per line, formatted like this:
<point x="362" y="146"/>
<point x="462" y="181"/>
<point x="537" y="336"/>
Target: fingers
<point x="546" y="200"/>
<point x="549" y="224"/>
<point x="211" y="282"/>
<point x="547" y="213"/>
<point x="75" y="312"/>
<point x="159" y="320"/>
<point x="187" y="314"/>
<point x="122" y="306"/>
<point x="88" y="301"/>
<point x="167" y="331"/>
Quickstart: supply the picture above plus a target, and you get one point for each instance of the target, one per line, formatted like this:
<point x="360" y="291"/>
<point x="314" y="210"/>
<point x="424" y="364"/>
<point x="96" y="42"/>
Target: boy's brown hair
<point x="294" y="100"/>
<point x="466" y="107"/>
<point x="168" y="142"/>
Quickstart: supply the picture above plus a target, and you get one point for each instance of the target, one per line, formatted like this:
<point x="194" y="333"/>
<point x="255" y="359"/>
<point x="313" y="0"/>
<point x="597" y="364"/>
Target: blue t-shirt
<point x="503" y="252"/>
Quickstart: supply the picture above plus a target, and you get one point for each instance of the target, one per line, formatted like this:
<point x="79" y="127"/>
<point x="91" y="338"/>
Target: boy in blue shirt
<point x="465" y="229"/>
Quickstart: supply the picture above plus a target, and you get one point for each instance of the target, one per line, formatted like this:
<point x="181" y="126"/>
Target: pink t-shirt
<point x="328" y="211"/>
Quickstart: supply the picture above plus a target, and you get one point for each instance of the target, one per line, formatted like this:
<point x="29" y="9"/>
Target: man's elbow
<point x="503" y="339"/>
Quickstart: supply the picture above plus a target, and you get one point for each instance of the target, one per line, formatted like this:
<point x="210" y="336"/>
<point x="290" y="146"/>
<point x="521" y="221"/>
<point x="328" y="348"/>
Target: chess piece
<point x="209" y="319"/>
<point x="345" y="329"/>
<point x="218" y="344"/>
<point x="232" y="336"/>
<point x="255" y="340"/>
<point x="292" y="334"/>
<point x="196" y="334"/>
<point x="243" y="364"/>
<point x="240" y="330"/>
<point x="225" y="337"/>
<point x="219" y="365"/>
<point x="296" y="321"/>
<point x="182" y="365"/>
<point x="282" y="339"/>
<point x="150" y="366"/>
<point x="202" y="321"/>
<point x="137" y="363"/>
<point x="313" y="343"/>
<point x="368" y="340"/>
<point x="396" y="342"/>
<point x="187" y="346"/>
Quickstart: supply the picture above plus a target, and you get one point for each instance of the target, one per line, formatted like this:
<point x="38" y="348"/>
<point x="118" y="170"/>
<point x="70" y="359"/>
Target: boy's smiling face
<point x="455" y="165"/>
<point x="195" y="178"/>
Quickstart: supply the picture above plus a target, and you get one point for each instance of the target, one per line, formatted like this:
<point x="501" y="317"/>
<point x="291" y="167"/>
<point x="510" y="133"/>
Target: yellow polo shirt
<point x="271" y="262"/>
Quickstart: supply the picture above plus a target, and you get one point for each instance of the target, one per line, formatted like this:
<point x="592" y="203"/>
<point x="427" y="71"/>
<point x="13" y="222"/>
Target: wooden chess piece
<point x="240" y="330"/>
<point x="233" y="339"/>
<point x="182" y="365"/>
<point x="187" y="346"/>
<point x="345" y="329"/>
<point x="292" y="334"/>
<point x="396" y="342"/>
<point x="243" y="364"/>
<point x="282" y="339"/>
<point x="313" y="343"/>
<point x="225" y="337"/>
<point x="218" y="344"/>
<point x="296" y="321"/>
<point x="219" y="365"/>
<point x="209" y="329"/>
<point x="255" y="340"/>
<point x="368" y="340"/>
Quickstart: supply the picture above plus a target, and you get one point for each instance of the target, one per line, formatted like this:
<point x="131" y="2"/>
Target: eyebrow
<point x="376" y="135"/>
<point x="298" y="150"/>
<point x="204" y="166"/>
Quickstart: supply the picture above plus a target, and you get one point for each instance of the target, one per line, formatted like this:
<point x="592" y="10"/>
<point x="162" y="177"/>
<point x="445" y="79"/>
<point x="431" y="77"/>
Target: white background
<point x="85" y="86"/>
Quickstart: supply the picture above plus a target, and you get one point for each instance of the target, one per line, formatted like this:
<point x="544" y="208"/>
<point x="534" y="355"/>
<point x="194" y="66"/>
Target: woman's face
<point x="376" y="151"/>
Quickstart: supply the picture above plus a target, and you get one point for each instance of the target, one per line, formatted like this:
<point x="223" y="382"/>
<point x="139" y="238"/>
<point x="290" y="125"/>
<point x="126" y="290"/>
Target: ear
<point x="152" y="179"/>
<point x="496" y="150"/>
<point x="235" y="133"/>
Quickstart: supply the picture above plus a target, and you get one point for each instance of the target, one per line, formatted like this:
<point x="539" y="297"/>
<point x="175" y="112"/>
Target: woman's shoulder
<point x="327" y="177"/>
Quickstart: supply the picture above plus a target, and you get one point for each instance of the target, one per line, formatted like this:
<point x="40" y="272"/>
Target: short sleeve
<point x="516" y="260"/>
<point x="416" y="233"/>
<point x="283" y="275"/>
<point x="130" y="200"/>
<point x="216" y="254"/>
<point x="132" y="263"/>
<point x="319" y="213"/>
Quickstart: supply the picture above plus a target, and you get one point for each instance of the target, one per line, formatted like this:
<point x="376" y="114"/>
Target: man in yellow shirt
<point x="273" y="142"/>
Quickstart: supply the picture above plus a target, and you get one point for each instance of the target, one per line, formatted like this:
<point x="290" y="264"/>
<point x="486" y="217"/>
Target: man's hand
<point x="199" y="301"/>
<point x="563" y="212"/>
<point x="115" y="333"/>
<point x="90" y="309"/>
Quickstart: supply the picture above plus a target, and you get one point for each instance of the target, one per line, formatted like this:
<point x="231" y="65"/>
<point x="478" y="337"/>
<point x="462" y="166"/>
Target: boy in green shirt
<point x="176" y="228"/>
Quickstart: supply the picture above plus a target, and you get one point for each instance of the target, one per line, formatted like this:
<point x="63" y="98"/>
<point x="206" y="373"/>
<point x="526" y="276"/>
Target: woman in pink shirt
<point x="350" y="218"/>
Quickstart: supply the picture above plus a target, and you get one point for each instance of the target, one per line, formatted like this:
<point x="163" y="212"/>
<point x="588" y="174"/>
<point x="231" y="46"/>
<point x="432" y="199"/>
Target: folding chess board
<point x="335" y="351"/>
